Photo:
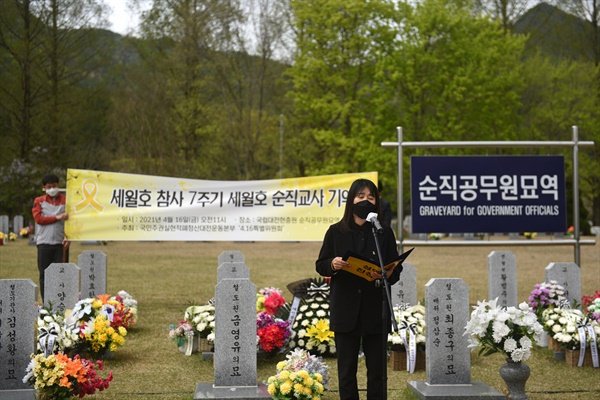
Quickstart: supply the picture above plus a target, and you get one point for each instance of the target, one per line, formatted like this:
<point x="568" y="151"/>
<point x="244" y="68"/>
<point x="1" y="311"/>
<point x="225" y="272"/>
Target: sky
<point x="121" y="19"/>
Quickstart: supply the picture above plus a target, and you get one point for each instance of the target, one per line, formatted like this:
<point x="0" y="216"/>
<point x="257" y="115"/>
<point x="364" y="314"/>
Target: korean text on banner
<point x="117" y="206"/>
<point x="488" y="194"/>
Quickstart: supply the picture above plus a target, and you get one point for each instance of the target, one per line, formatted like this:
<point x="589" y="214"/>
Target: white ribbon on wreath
<point x="411" y="346"/>
<point x="584" y="328"/>
<point x="47" y="340"/>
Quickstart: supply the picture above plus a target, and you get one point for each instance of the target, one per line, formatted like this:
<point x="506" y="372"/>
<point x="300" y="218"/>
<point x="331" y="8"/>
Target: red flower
<point x="273" y="302"/>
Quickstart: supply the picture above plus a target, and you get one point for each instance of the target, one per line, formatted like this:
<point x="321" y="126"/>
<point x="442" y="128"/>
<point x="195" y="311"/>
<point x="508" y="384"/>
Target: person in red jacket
<point x="50" y="216"/>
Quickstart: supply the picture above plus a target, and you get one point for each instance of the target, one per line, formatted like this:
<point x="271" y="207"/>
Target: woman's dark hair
<point x="356" y="187"/>
<point x="50" y="178"/>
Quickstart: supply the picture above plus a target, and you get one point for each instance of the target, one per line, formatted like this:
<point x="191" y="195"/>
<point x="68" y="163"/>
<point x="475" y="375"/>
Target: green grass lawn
<point x="165" y="277"/>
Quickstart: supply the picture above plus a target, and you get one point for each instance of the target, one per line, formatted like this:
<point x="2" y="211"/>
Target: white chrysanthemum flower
<point x="321" y="313"/>
<point x="305" y="322"/>
<point x="510" y="345"/>
<point x="301" y="342"/>
<point x="518" y="355"/>
<point x="314" y="306"/>
<point x="303" y="308"/>
<point x="301" y="333"/>
<point x="309" y="314"/>
<point x="525" y="342"/>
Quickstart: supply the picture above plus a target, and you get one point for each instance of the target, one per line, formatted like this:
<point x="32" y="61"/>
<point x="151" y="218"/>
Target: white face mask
<point x="52" y="192"/>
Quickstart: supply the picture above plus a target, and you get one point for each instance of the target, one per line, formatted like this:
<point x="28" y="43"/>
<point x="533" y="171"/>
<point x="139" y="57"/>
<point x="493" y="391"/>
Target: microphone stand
<point x="386" y="306"/>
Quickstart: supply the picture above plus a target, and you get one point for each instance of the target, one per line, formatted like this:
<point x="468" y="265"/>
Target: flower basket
<point x="553" y="344"/>
<point x="198" y="345"/>
<point x="398" y="360"/>
<point x="572" y="358"/>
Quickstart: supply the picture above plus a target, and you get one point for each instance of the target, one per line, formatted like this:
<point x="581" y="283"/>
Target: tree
<point x="505" y="11"/>
<point x="332" y="76"/>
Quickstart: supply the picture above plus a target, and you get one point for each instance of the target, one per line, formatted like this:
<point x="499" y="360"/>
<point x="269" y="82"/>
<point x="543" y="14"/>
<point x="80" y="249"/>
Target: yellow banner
<point x="116" y="206"/>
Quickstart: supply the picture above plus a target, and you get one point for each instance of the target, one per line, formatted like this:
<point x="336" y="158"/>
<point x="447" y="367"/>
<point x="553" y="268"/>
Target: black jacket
<point x="355" y="303"/>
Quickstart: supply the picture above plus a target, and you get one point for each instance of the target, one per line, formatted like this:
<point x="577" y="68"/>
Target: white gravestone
<point x="17" y="224"/>
<point x="233" y="270"/>
<point x="568" y="275"/>
<point x="405" y="290"/>
<point x="231" y="256"/>
<point x="448" y="358"/>
<point x="61" y="286"/>
<point x="4" y="224"/>
<point x="502" y="278"/>
<point x="17" y="336"/>
<point x="92" y="264"/>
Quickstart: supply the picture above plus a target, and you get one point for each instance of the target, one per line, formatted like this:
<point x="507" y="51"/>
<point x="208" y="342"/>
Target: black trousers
<point x="46" y="255"/>
<point x="348" y="347"/>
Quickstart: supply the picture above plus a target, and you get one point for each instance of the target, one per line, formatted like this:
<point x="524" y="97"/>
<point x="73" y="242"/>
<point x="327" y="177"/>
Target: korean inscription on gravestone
<point x="448" y="357"/>
<point x="405" y="290"/>
<point x="61" y="286"/>
<point x="568" y="275"/>
<point x="502" y="278"/>
<point x="93" y="273"/>
<point x="17" y="318"/>
<point x="235" y="343"/>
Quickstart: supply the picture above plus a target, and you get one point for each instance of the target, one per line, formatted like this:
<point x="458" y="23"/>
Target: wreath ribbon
<point x="47" y="340"/>
<point x="314" y="290"/>
<point x="189" y="343"/>
<point x="411" y="346"/>
<point x="584" y="328"/>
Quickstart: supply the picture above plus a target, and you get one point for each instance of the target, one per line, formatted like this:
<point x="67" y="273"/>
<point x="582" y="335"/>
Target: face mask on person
<point x="52" y="192"/>
<point x="363" y="208"/>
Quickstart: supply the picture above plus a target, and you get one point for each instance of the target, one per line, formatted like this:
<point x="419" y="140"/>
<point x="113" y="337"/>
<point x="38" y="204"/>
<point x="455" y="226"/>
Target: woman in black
<point x="355" y="303"/>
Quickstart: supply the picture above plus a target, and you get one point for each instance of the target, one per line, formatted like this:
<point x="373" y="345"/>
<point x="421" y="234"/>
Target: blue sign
<point x="487" y="194"/>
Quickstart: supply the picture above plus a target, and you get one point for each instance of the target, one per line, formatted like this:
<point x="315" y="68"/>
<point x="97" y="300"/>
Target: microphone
<point x="372" y="218"/>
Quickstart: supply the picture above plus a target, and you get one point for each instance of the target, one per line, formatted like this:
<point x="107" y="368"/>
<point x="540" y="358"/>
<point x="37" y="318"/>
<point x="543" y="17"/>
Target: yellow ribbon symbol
<point x="89" y="197"/>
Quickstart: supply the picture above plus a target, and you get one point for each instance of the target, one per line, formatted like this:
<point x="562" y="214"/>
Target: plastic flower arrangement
<point x="181" y="332"/>
<point x="301" y="376"/>
<point x="564" y="323"/>
<point x="272" y="332"/>
<point x="60" y="377"/>
<point x="93" y="321"/>
<point x="530" y="235"/>
<point x="125" y="310"/>
<point x="53" y="333"/>
<point x="25" y="232"/>
<point x="311" y="317"/>
<point x="545" y="295"/>
<point x="12" y="236"/>
<point x="202" y="318"/>
<point x="592" y="306"/>
<point x="411" y="326"/>
<point x="269" y="300"/>
<point x="510" y="330"/>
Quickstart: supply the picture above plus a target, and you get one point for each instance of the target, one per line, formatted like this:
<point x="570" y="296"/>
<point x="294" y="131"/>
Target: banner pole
<point x="576" y="194"/>
<point x="400" y="213"/>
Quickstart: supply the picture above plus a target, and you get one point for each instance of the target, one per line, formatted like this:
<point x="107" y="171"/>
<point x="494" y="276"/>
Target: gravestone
<point x="405" y="290"/>
<point x="502" y="278"/>
<point x="234" y="356"/>
<point x="231" y="256"/>
<point x="92" y="264"/>
<point x="568" y="275"/>
<point x="4" y="228"/>
<point x="17" y="224"/>
<point x="61" y="286"/>
<point x="448" y="358"/>
<point x="17" y="332"/>
<point x="513" y="235"/>
<point x="233" y="270"/>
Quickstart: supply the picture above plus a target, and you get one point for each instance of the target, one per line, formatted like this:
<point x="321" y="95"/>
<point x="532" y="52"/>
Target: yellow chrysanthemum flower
<point x="281" y="365"/>
<point x="284" y="375"/>
<point x="298" y="388"/>
<point x="96" y="304"/>
<point x="271" y="389"/>
<point x="308" y="381"/>
<point x="286" y="387"/>
<point x="110" y="330"/>
<point x="303" y="374"/>
<point x="318" y="377"/>
<point x="122" y="331"/>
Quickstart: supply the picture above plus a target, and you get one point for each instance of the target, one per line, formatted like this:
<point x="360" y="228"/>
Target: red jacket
<point x="49" y="230"/>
